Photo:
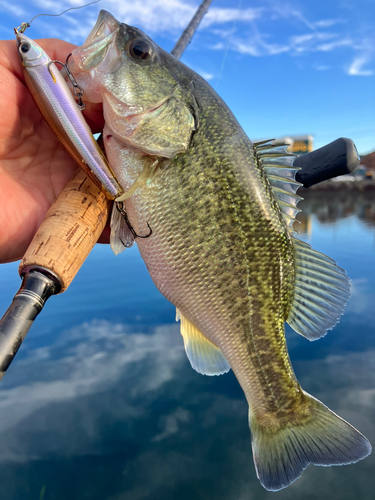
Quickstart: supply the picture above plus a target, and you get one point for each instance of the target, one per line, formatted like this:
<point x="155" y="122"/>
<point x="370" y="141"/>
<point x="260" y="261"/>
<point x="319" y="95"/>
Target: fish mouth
<point x="104" y="26"/>
<point x="93" y="51"/>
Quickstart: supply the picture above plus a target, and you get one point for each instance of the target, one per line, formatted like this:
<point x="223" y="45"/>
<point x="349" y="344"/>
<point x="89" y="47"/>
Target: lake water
<point x="102" y="404"/>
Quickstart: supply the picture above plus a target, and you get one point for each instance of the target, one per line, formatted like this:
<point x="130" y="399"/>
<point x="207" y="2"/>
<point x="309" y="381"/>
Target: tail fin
<point x="323" y="438"/>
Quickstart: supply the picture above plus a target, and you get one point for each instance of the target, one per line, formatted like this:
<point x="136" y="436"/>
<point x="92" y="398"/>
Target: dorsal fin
<point x="321" y="287"/>
<point x="277" y="163"/>
<point x="203" y="355"/>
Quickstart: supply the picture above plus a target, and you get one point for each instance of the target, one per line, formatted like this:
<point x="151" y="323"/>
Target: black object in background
<point x="337" y="158"/>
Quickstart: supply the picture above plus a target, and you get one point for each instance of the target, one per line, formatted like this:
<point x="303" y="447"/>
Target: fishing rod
<point x="337" y="158"/>
<point x="191" y="28"/>
<point x="78" y="216"/>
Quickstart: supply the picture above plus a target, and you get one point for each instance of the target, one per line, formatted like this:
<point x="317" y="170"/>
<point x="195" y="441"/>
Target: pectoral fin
<point x="121" y="236"/>
<point x="142" y="178"/>
<point x="203" y="355"/>
<point x="322" y="290"/>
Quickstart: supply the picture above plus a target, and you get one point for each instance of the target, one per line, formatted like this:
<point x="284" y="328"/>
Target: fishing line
<point x="21" y="29"/>
<point x="227" y="49"/>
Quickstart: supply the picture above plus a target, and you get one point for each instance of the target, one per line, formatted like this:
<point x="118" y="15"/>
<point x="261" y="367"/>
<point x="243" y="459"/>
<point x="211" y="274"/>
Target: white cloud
<point x="257" y="45"/>
<point x="222" y="16"/>
<point x="171" y="423"/>
<point x="12" y="9"/>
<point x="93" y="357"/>
<point x="249" y="47"/>
<point x="313" y="37"/>
<point x="326" y="23"/>
<point x="357" y="66"/>
<point x="205" y="75"/>
<point x="258" y="39"/>
<point x="168" y="17"/>
<point x="329" y="47"/>
<point x="99" y="377"/>
<point x="49" y="6"/>
<point x="361" y="299"/>
<point x="171" y="15"/>
<point x="312" y="42"/>
<point x="286" y="11"/>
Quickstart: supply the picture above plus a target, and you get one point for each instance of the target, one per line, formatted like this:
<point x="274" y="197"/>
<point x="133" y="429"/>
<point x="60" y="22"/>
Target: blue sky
<point x="284" y="68"/>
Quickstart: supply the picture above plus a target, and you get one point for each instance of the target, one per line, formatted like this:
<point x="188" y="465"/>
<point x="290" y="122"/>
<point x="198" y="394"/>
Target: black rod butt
<point x="36" y="288"/>
<point x="337" y="158"/>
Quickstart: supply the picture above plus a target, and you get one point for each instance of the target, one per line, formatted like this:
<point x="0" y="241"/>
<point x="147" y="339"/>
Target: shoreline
<point x="340" y="186"/>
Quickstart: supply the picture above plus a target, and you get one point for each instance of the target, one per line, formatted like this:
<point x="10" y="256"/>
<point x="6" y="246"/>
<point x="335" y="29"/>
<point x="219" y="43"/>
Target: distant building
<point x="298" y="144"/>
<point x="368" y="162"/>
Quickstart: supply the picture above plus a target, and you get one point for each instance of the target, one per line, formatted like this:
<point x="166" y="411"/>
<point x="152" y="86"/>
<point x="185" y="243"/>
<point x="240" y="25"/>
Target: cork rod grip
<point x="69" y="230"/>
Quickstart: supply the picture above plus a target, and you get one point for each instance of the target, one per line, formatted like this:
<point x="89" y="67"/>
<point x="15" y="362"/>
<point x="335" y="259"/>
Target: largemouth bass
<point x="222" y="249"/>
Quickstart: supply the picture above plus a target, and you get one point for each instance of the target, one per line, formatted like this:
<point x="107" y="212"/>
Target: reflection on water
<point x="328" y="207"/>
<point x="101" y="402"/>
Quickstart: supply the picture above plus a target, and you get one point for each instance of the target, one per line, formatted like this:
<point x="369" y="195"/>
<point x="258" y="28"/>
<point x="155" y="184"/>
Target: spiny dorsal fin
<point x="277" y="162"/>
<point x="203" y="355"/>
<point x="322" y="289"/>
<point x="321" y="292"/>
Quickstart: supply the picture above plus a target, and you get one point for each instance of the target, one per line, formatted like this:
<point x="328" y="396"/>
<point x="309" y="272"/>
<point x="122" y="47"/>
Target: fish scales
<point x="225" y="224"/>
<point x="220" y="250"/>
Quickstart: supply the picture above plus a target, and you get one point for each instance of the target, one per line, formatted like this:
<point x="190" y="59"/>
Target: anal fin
<point x="203" y="355"/>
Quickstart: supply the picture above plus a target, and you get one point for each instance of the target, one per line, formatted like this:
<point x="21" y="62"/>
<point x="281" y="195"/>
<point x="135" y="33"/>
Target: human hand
<point x="34" y="166"/>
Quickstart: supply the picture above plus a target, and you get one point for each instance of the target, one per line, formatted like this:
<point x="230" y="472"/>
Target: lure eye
<point x="140" y="49"/>
<point x="25" y="47"/>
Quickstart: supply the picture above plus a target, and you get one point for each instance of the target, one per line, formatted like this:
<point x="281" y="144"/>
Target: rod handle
<point x="70" y="229"/>
<point x="336" y="158"/>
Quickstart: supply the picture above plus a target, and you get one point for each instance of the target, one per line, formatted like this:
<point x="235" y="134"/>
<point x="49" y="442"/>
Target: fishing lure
<point x="63" y="114"/>
<point x="59" y="108"/>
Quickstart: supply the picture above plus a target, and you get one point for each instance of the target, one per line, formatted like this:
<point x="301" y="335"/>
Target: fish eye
<point x="25" y="47"/>
<point x="140" y="49"/>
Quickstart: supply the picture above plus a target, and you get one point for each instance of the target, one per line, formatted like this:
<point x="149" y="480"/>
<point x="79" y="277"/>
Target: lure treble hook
<point x="78" y="91"/>
<point x="121" y="209"/>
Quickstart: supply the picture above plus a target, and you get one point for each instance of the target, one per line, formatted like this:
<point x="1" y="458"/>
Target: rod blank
<point x="188" y="34"/>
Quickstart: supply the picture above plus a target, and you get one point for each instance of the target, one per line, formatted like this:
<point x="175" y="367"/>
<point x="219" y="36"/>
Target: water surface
<point x="102" y="404"/>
